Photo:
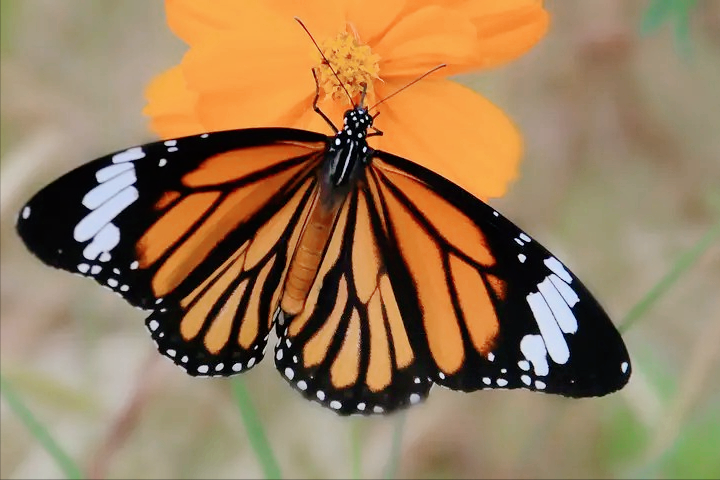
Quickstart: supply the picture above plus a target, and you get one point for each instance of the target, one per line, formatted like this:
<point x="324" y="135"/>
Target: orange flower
<point x="249" y="65"/>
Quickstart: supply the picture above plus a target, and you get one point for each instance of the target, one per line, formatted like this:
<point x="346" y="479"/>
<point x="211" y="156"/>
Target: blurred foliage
<point x="676" y="12"/>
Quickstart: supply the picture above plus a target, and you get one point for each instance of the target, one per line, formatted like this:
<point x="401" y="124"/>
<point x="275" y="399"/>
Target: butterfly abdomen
<point x="308" y="255"/>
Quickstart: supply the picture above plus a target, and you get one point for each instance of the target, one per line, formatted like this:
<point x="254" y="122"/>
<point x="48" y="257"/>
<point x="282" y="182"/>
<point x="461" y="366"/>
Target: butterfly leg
<point x="315" y="103"/>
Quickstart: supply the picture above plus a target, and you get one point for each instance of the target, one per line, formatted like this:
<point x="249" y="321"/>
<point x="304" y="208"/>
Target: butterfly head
<point x="357" y="122"/>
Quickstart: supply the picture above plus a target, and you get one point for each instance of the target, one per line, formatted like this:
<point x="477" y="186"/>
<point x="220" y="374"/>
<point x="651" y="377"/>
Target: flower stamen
<point x="355" y="64"/>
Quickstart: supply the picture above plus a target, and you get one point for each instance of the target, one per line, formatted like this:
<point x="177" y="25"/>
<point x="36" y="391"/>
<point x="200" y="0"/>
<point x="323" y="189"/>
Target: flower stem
<point x="255" y="430"/>
<point x="39" y="431"/>
<point x="683" y="264"/>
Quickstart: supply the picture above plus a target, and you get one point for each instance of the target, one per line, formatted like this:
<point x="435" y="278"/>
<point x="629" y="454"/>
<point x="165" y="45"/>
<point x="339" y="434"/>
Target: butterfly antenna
<point x="326" y="60"/>
<point x="434" y="69"/>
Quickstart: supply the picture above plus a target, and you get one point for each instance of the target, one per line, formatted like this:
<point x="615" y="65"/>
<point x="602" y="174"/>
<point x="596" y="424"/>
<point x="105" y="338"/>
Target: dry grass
<point x="621" y="175"/>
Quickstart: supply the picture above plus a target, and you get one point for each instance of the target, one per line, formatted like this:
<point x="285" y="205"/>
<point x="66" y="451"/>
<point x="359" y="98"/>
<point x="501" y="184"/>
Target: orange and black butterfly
<point x="380" y="277"/>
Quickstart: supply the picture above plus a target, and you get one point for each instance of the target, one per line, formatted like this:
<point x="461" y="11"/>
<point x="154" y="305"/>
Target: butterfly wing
<point x="195" y="229"/>
<point x="423" y="283"/>
<point x="497" y="309"/>
<point x="349" y="348"/>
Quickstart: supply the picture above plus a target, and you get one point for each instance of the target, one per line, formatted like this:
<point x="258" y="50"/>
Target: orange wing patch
<point x="424" y="259"/>
<point x="191" y="229"/>
<point x="448" y="259"/>
<point x="235" y="165"/>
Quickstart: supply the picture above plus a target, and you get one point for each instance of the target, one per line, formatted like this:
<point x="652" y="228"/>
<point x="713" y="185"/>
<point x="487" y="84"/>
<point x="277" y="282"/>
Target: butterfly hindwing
<point x="195" y="229"/>
<point x="349" y="348"/>
<point x="496" y="308"/>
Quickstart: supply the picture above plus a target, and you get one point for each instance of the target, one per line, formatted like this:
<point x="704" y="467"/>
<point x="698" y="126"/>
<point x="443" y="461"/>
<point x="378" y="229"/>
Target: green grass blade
<point x="393" y="464"/>
<point x="677" y="12"/>
<point x="255" y="431"/>
<point x="38" y="430"/>
<point x="356" y="448"/>
<point x="655" y="14"/>
<point x="682" y="265"/>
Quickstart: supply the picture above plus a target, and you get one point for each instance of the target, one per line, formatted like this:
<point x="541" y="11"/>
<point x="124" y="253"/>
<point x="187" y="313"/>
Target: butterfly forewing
<point x="197" y="229"/>
<point x="496" y="308"/>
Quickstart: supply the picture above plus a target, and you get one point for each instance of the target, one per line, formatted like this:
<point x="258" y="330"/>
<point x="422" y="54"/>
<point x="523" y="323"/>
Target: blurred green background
<point x="620" y="111"/>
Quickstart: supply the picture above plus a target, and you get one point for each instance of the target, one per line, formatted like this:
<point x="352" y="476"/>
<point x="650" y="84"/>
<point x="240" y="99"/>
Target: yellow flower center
<point x="355" y="64"/>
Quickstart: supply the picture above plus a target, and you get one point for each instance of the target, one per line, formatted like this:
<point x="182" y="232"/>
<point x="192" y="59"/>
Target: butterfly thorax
<point x="346" y="154"/>
<point x="345" y="157"/>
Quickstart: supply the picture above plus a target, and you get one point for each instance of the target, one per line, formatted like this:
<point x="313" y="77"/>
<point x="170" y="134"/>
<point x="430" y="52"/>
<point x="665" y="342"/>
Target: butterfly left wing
<point x="196" y="229"/>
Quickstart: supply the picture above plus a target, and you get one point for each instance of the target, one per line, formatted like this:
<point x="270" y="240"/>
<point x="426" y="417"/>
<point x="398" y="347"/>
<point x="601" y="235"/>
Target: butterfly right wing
<point x="196" y="229"/>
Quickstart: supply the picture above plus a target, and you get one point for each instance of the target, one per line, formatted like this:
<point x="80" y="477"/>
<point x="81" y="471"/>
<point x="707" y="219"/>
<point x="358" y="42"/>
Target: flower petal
<point x="373" y="18"/>
<point x="322" y="18"/>
<point x="171" y="106"/>
<point x="453" y="131"/>
<point x="506" y="29"/>
<point x="241" y="84"/>
<point x="424" y="39"/>
<point x="196" y="20"/>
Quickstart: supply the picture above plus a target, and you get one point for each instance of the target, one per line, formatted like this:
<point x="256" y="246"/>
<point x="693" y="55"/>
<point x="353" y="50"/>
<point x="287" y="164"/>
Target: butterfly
<point x="380" y="277"/>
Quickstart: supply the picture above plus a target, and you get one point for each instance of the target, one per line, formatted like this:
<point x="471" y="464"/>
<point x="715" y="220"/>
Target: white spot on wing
<point x="414" y="398"/>
<point x="522" y="258"/>
<point x="106" y="173"/>
<point x="553" y="337"/>
<point x="153" y="325"/>
<point x="105" y="240"/>
<point x="135" y="153"/>
<point x="562" y="313"/>
<point x="237" y="367"/>
<point x="525" y="379"/>
<point x="25" y="212"/>
<point x="203" y="369"/>
<point x="624" y="367"/>
<point x="103" y="215"/>
<point x="533" y="347"/>
<point x="524" y="237"/>
<point x="302" y="385"/>
<point x="335" y="405"/>
<point x="83" y="267"/>
<point x="554" y="264"/>
<point x="107" y="190"/>
<point x="289" y="373"/>
<point x="571" y="298"/>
